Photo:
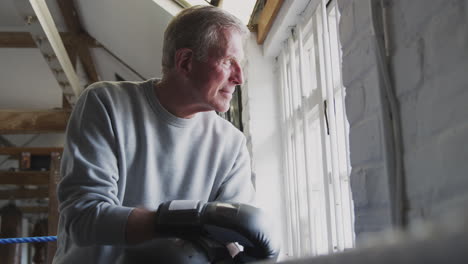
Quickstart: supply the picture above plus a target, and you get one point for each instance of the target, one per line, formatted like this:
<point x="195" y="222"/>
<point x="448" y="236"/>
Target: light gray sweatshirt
<point x="124" y="150"/>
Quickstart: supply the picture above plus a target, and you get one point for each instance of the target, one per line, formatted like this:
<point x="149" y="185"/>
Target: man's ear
<point x="183" y="60"/>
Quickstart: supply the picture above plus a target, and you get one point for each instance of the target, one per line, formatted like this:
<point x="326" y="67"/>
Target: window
<point x="315" y="136"/>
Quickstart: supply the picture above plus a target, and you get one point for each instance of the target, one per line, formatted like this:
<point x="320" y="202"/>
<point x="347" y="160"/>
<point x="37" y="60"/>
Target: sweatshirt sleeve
<point x="238" y="185"/>
<point x="90" y="210"/>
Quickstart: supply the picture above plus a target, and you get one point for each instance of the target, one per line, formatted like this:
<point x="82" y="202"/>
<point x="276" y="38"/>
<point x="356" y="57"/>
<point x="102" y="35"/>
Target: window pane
<point x="317" y="160"/>
<point x="317" y="200"/>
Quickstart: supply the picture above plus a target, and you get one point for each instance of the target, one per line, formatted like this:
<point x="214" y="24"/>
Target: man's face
<point x="215" y="78"/>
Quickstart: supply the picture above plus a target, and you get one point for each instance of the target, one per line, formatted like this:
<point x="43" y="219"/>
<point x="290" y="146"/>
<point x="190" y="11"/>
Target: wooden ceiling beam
<point x="40" y="24"/>
<point x="70" y="15"/>
<point x="267" y="16"/>
<point x="31" y="122"/>
<point x="16" y="40"/>
<point x="14" y="151"/>
<point x="24" y="177"/>
<point x="84" y="53"/>
<point x="68" y="10"/>
<point x="25" y="40"/>
<point x="20" y="194"/>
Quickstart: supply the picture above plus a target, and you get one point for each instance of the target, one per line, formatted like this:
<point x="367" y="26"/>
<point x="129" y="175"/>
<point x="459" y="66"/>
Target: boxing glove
<point x="221" y="221"/>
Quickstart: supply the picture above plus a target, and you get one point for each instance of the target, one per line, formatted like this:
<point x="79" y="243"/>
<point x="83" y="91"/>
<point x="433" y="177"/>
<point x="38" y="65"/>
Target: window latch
<point x="326" y="116"/>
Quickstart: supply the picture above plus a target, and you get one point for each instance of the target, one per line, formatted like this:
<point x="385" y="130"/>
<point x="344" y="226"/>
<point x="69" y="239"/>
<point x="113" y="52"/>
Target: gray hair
<point x="198" y="28"/>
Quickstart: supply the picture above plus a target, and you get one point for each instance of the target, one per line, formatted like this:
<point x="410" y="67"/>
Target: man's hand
<point x="223" y="222"/>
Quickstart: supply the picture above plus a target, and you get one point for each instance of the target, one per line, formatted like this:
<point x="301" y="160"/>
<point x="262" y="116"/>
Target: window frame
<point x="302" y="102"/>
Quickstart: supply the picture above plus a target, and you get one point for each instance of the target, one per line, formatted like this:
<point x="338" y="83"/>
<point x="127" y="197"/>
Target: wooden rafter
<point x="69" y="13"/>
<point x="16" y="40"/>
<point x="20" y="194"/>
<point x="44" y="32"/>
<point x="267" y="16"/>
<point x="29" y="122"/>
<point x="16" y="151"/>
<point x="25" y="40"/>
<point x="24" y="177"/>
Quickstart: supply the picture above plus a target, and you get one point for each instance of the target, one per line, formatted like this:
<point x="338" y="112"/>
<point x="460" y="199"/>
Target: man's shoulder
<point x="116" y="91"/>
<point x="115" y="87"/>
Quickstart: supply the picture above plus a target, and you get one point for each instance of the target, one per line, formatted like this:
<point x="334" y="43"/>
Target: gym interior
<point x="353" y="111"/>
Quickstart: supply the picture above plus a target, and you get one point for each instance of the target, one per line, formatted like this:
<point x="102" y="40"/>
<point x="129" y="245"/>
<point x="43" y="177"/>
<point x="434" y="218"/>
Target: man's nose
<point x="237" y="76"/>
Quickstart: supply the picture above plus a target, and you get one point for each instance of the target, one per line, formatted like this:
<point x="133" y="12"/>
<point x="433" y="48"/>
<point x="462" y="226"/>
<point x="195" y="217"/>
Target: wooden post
<point x="54" y="177"/>
<point x="11" y="227"/>
<point x="33" y="121"/>
<point x="40" y="229"/>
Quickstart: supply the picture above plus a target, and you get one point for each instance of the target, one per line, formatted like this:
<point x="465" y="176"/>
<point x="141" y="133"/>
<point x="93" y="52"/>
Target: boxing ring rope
<point x="28" y="239"/>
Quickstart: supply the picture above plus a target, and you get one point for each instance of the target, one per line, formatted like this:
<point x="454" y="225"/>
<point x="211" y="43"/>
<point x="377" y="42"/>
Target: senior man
<point x="132" y="148"/>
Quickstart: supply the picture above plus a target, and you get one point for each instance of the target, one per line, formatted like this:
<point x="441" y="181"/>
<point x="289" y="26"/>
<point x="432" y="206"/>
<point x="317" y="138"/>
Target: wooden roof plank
<point x="70" y="15"/>
<point x="34" y="151"/>
<point x="266" y="19"/>
<point x="24" y="177"/>
<point x="29" y="122"/>
<point x="25" y="40"/>
<point x="20" y="194"/>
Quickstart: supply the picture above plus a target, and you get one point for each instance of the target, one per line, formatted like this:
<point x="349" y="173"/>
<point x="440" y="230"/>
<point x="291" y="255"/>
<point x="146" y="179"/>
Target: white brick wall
<point x="368" y="147"/>
<point x="429" y="69"/>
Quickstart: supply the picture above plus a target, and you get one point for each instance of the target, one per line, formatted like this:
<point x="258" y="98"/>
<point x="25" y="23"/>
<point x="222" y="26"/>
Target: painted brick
<point x="408" y="118"/>
<point x="453" y="180"/>
<point x="358" y="59"/>
<point x="440" y="106"/>
<point x="368" y="220"/>
<point x="377" y="186"/>
<point x="373" y="89"/>
<point x="365" y="141"/>
<point x="355" y="103"/>
<point x="422" y="169"/>
<point x="369" y="185"/>
<point x="412" y="17"/>
<point x="358" y="187"/>
<point x="453" y="204"/>
<point x="425" y="109"/>
<point x="362" y="13"/>
<point x="429" y="63"/>
<point x="343" y="4"/>
<point x="346" y="27"/>
<point x="447" y="38"/>
<point x="453" y="82"/>
<point x="407" y="66"/>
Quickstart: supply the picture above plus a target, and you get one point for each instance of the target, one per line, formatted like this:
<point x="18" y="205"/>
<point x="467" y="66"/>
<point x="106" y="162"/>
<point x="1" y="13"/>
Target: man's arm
<point x="90" y="210"/>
